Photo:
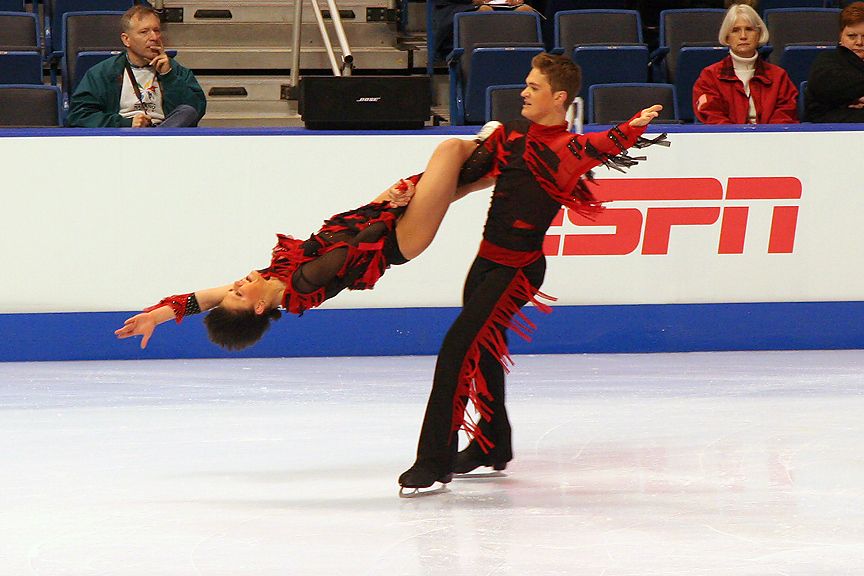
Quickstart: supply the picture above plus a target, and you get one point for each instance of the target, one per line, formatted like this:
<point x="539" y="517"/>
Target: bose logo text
<point x="653" y="225"/>
<point x="369" y="99"/>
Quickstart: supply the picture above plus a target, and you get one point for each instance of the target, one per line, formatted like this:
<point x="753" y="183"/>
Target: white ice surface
<point x="666" y="464"/>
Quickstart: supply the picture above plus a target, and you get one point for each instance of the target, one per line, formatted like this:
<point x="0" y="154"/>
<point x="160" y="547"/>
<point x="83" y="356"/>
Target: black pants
<point x="486" y="283"/>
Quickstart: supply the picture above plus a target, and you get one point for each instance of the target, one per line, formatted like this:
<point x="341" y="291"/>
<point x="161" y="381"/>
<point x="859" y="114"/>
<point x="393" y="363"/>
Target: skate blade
<point x="493" y="474"/>
<point x="420" y="492"/>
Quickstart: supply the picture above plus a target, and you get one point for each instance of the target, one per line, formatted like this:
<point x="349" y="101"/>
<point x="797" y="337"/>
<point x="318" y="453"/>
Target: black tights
<point x="323" y="270"/>
<point x="485" y="285"/>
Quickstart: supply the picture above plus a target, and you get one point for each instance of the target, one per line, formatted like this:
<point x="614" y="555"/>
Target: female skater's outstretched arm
<point x="144" y="323"/>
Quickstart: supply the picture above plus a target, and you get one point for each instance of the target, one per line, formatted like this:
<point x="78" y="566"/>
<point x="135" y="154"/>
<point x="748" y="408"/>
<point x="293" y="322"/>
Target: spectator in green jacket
<point x="140" y="88"/>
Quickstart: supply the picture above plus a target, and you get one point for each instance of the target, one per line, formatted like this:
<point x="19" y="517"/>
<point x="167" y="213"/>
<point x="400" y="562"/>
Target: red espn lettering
<point x="653" y="225"/>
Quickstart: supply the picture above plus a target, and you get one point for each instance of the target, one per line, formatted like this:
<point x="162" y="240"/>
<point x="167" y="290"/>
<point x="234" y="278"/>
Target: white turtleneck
<point x="745" y="68"/>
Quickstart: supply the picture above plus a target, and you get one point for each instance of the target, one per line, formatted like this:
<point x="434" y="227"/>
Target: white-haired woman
<point x="743" y="88"/>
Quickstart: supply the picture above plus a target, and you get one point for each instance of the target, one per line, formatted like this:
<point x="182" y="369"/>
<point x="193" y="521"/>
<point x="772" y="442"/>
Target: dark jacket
<point x="96" y="101"/>
<point x="719" y="98"/>
<point x="836" y="81"/>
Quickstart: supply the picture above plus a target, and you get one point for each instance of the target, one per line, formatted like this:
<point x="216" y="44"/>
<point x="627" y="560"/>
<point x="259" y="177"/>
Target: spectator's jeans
<point x="184" y="116"/>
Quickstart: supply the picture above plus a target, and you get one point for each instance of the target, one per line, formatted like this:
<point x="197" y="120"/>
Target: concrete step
<point x="268" y="46"/>
<point x="257" y="34"/>
<point x="262" y="104"/>
<point x="240" y="11"/>
<point x="245" y="120"/>
<point x="257" y="88"/>
<point x="205" y="58"/>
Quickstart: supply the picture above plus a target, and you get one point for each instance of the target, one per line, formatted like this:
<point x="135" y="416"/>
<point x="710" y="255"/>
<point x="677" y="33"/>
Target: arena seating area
<point x="241" y="52"/>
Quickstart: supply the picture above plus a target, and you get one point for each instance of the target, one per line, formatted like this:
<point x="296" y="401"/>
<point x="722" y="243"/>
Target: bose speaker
<point x="365" y="102"/>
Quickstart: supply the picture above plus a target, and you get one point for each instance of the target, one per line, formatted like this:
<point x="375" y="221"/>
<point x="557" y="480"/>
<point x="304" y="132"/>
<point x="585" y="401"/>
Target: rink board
<point x="418" y="331"/>
<point x="730" y="239"/>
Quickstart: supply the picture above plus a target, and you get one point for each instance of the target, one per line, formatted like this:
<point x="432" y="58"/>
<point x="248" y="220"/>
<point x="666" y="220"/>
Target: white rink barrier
<point x="717" y="218"/>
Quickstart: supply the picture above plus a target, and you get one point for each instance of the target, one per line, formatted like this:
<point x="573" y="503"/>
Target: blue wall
<point x="401" y="331"/>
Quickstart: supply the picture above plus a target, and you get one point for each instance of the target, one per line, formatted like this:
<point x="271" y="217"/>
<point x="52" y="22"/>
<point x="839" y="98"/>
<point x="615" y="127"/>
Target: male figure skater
<point x="538" y="166"/>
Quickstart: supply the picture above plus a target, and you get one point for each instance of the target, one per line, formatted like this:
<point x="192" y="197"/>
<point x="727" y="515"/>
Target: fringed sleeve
<point x="590" y="150"/>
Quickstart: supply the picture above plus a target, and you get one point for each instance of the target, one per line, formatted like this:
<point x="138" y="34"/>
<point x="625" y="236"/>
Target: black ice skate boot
<point x="473" y="457"/>
<point x="413" y="481"/>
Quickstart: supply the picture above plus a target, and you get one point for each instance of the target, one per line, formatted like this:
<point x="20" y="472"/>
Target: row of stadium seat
<point x="608" y="103"/>
<point x="495" y="48"/>
<point x="491" y="48"/>
<point x="22" y="55"/>
<point x="39" y="105"/>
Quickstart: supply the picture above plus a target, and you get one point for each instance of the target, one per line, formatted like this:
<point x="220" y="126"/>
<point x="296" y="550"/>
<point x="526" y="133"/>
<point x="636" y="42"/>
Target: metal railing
<point x="343" y="68"/>
<point x="576" y="116"/>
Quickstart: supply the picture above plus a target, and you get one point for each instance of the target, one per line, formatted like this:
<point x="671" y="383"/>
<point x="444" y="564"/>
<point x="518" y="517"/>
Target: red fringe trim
<point x="472" y="386"/>
<point x="289" y="255"/>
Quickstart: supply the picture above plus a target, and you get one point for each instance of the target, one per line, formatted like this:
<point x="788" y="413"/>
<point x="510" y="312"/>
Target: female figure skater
<point x="351" y="250"/>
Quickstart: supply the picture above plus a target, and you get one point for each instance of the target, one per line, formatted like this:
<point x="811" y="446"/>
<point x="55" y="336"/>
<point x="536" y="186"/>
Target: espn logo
<point x="652" y="225"/>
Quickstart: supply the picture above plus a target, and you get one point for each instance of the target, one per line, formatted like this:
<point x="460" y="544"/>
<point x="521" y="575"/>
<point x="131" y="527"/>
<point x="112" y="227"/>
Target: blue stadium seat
<point x="55" y="9"/>
<point x="774" y="4"/>
<point x="30" y="106"/>
<point x="798" y="59"/>
<point x="83" y="62"/>
<point x="489" y="67"/>
<point x="790" y="26"/>
<point x="490" y="48"/>
<point x="580" y="27"/>
<point x="20" y="67"/>
<point x="611" y="64"/>
<point x="96" y="33"/>
<point x="691" y="61"/>
<point x="802" y="102"/>
<point x="607" y="45"/>
<point x="504" y="102"/>
<point x="19" y="31"/>
<point x="615" y="103"/>
<point x="559" y="5"/>
<point x="555" y="7"/>
<point x="20" y="49"/>
<point x="679" y="28"/>
<point x="430" y="38"/>
<point x="11" y="5"/>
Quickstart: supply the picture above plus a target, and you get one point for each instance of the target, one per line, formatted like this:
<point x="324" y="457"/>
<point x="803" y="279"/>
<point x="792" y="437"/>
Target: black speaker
<point x="365" y="102"/>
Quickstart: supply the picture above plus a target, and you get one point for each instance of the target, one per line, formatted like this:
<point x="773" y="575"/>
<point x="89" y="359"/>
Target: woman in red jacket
<point x="742" y="88"/>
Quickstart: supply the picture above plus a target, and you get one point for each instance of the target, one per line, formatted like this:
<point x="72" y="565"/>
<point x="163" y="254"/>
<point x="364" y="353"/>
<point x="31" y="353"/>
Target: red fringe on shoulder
<point x="472" y="387"/>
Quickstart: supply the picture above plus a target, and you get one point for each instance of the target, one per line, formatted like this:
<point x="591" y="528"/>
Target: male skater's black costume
<point x="538" y="168"/>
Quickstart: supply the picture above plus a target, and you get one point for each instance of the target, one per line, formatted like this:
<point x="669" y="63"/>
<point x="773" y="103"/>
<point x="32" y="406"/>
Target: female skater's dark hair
<point x="237" y="330"/>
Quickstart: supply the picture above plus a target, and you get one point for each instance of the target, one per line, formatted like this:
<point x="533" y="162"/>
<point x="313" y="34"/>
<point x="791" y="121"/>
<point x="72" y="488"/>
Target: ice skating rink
<point x="667" y="464"/>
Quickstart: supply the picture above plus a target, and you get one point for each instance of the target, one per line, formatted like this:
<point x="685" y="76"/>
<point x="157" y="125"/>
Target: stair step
<point x="256" y="87"/>
<point x="250" y="120"/>
<point x="279" y="58"/>
<point x="255" y="35"/>
<point x="262" y="11"/>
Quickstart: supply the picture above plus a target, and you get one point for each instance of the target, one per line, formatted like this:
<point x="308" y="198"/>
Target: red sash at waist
<point x="507" y="257"/>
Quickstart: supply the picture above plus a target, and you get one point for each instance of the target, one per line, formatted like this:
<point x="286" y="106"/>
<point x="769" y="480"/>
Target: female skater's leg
<point x="434" y="193"/>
